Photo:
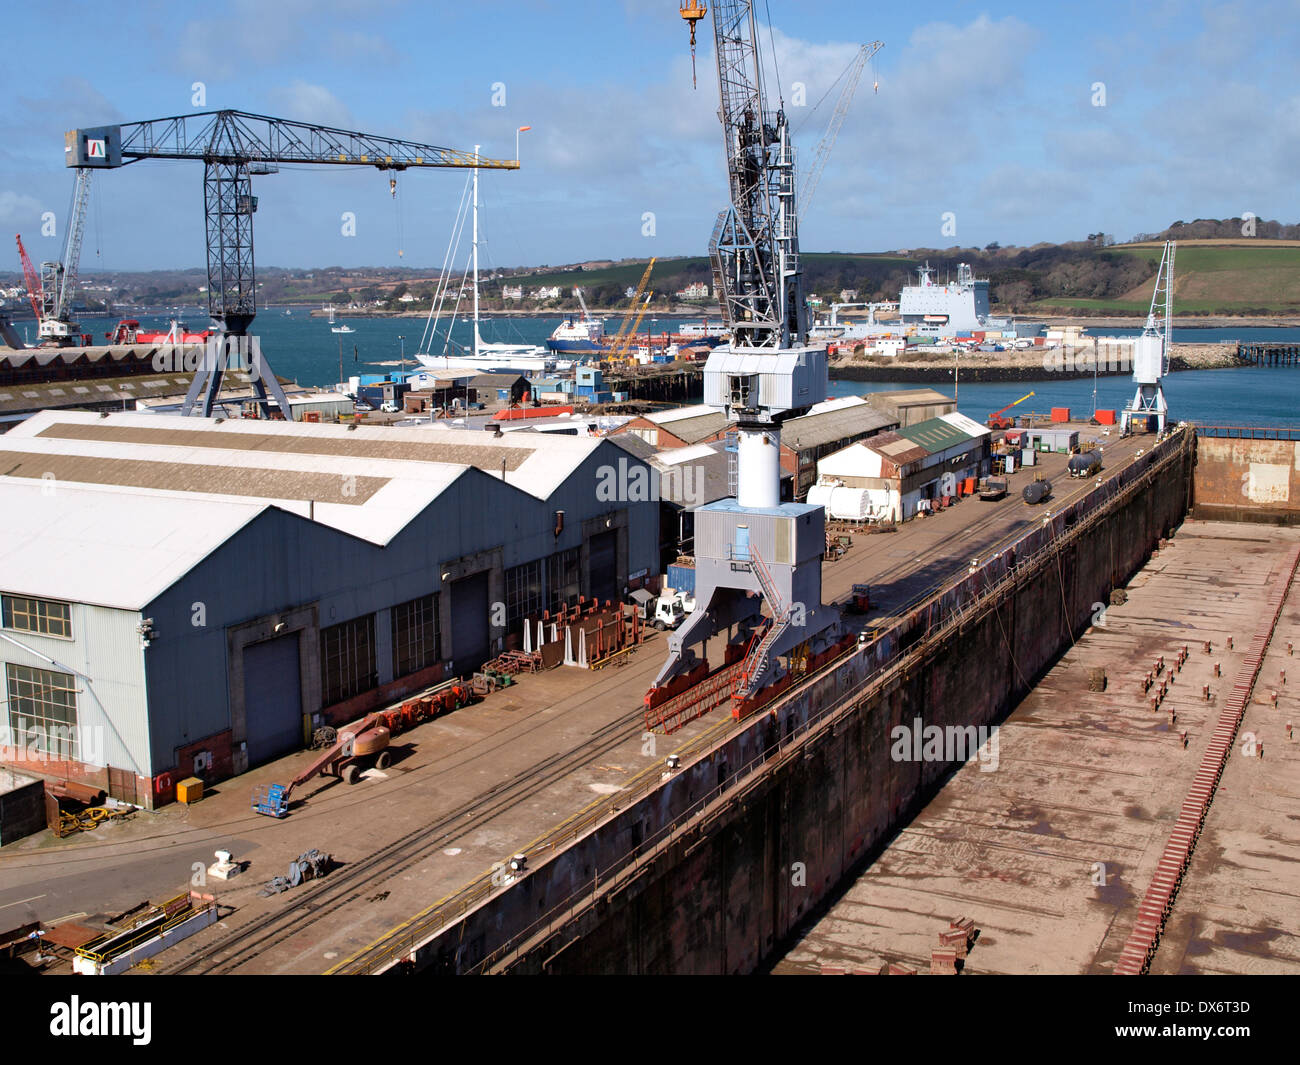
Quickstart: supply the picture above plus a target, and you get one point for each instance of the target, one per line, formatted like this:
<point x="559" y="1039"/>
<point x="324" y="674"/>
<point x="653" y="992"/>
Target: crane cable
<point x="397" y="211"/>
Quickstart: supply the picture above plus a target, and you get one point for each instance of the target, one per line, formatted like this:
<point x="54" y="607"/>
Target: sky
<point x="976" y="122"/>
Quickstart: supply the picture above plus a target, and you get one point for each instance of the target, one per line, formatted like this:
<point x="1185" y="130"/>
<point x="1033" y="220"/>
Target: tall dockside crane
<point x="1151" y="351"/>
<point x="59" y="279"/>
<point x="754" y="548"/>
<point x="233" y="146"/>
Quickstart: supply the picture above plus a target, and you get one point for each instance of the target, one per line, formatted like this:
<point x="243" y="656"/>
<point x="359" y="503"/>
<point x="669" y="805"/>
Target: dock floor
<point x="1050" y="854"/>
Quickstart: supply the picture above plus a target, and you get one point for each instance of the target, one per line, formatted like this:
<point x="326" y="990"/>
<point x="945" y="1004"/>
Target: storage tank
<point x="1085" y="465"/>
<point x="843" y="504"/>
<point x="1037" y="491"/>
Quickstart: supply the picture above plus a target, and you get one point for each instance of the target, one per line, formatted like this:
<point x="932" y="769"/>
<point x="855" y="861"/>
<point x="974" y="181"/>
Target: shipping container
<point x="1060" y="414"/>
<point x="681" y="579"/>
<point x="1105" y="417"/>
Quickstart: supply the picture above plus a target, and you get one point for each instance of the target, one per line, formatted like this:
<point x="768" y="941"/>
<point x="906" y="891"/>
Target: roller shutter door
<point x="272" y="698"/>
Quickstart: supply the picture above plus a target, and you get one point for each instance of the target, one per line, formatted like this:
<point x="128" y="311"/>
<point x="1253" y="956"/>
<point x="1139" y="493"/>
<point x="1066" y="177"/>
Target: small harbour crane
<point x="996" y="421"/>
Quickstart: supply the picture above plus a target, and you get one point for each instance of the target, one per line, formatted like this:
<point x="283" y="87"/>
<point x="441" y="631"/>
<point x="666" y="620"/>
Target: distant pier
<point x="1268" y="354"/>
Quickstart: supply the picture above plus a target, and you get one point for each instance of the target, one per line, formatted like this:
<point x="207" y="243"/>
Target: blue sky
<point x="982" y="110"/>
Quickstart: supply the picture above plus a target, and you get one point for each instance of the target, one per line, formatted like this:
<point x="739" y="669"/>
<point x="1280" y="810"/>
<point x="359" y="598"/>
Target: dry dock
<point x="1052" y="852"/>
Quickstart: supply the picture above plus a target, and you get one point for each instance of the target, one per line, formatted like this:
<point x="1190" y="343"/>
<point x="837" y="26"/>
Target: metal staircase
<point x="754" y="666"/>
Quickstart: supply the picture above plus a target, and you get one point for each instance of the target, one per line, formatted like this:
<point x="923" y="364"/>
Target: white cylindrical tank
<point x="843" y="504"/>
<point x="1148" y="360"/>
<point x="758" y="468"/>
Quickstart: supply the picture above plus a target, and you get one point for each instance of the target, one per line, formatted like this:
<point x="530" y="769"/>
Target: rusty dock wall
<point x="1247" y="474"/>
<point x="715" y="866"/>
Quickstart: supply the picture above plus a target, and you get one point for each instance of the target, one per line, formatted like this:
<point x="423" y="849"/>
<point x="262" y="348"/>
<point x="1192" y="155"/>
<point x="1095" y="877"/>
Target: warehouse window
<point x="45" y="616"/>
<point x="347" y="659"/>
<point x="415" y="635"/>
<point x="43" y="711"/>
<point x="523" y="593"/>
<point x="565" y="576"/>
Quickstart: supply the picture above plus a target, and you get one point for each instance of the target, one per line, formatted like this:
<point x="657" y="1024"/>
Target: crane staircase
<point x="757" y="658"/>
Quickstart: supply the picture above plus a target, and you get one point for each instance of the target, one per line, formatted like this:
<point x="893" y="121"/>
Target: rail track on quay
<point x="351" y="881"/>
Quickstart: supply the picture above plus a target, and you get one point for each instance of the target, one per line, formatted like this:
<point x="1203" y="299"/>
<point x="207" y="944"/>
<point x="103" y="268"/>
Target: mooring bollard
<point x="1216" y="669"/>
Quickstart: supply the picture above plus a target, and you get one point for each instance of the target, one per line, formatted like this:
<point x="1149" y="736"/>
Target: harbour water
<point x="303" y="348"/>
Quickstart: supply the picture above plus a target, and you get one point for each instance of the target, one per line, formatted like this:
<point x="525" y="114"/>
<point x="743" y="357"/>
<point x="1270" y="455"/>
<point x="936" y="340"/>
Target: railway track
<point x="349" y="882"/>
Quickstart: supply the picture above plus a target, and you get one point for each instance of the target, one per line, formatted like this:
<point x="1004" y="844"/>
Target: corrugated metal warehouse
<point x="181" y="593"/>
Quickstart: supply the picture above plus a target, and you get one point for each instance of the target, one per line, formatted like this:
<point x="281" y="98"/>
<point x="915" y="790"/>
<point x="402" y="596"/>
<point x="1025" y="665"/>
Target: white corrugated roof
<point x="967" y="425"/>
<point x="663" y="417"/>
<point x="137" y="499"/>
<point x="103" y="545"/>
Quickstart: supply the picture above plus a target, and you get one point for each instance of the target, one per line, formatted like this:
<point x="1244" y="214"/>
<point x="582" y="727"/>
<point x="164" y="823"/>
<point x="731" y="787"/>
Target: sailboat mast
<point x="476" y="254"/>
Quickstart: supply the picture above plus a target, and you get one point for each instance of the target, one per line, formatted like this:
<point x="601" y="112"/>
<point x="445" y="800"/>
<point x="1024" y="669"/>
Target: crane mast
<point x="755" y="243"/>
<point x="59" y="279"/>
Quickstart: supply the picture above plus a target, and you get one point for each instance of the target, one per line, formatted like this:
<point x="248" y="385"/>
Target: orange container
<point x="1060" y="414"/>
<point x="1105" y="417"/>
<point x="969" y="488"/>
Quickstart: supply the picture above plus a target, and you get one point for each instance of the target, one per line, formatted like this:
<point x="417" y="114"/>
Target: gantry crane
<point x="854" y="72"/>
<point x="1151" y="351"/>
<point x="233" y="146"/>
<point x="755" y="549"/>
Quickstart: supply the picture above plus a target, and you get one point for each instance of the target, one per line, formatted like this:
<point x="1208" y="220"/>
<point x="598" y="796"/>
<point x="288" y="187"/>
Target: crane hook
<point x="392" y="186"/>
<point x="692" y="12"/>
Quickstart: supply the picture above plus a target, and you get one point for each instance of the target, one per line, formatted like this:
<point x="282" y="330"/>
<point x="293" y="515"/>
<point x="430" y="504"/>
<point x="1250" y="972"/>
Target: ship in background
<point x="578" y="336"/>
<point x="929" y="309"/>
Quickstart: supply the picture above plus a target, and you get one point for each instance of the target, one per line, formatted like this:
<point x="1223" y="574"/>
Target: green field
<point x="1210" y="278"/>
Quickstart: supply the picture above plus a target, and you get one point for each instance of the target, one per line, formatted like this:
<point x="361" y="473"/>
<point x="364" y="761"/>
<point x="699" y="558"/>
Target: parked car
<point x="362" y="406"/>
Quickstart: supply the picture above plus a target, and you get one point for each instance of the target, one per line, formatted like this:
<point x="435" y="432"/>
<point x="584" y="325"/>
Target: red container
<point x="1060" y="414"/>
<point x="970" y="486"/>
<point x="1105" y="417"/>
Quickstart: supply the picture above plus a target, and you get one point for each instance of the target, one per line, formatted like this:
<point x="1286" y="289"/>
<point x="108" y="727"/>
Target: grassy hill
<point x="1210" y="277"/>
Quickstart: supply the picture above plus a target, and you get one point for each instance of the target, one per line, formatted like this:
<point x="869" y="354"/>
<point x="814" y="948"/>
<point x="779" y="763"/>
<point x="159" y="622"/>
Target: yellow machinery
<point x="623" y="338"/>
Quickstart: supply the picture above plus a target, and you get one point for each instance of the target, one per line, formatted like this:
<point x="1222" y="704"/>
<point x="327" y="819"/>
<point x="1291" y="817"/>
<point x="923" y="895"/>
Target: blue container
<point x="682" y="579"/>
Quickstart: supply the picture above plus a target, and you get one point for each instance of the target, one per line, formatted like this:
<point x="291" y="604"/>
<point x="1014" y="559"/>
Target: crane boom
<point x="755" y="242"/>
<point x="242" y="137"/>
<point x="827" y="142"/>
<point x="618" y="346"/>
<point x="59" y="279"/>
<point x="32" y="282"/>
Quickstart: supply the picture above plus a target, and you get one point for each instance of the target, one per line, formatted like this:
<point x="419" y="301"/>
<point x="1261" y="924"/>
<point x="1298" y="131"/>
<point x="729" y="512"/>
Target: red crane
<point x="31" y="278"/>
<point x="996" y="421"/>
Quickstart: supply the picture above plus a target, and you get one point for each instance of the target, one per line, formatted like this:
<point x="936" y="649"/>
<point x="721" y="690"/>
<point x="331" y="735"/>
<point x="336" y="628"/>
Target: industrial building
<point x="186" y="595"/>
<point x="911" y="405"/>
<point x="892" y="476"/>
<point x="826" y="428"/>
